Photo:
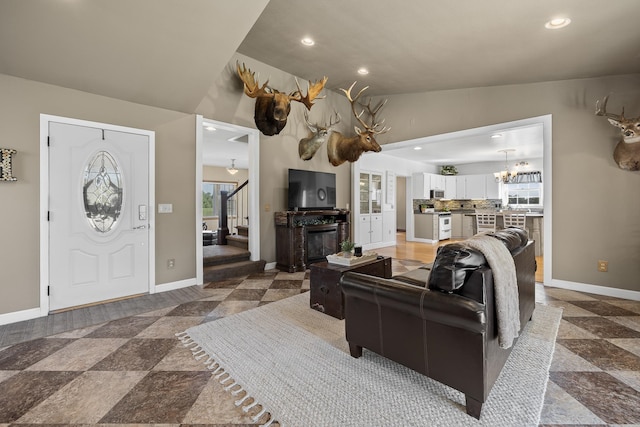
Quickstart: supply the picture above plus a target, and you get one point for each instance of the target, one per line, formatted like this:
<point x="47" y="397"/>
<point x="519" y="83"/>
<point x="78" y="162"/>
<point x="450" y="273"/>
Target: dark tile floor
<point x="134" y="371"/>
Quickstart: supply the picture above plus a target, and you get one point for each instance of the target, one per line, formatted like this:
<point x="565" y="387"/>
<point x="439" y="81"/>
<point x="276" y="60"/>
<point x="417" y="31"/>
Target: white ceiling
<point x="167" y="53"/>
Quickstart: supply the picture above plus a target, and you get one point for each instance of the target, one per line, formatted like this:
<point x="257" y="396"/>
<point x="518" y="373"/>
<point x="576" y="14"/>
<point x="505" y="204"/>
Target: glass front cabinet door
<point x="370" y="208"/>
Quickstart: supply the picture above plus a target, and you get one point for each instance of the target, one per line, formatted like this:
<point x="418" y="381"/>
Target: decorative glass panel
<point x="102" y="192"/>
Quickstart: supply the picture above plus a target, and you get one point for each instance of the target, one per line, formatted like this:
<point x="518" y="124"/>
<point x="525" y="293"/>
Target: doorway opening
<point x="227" y="159"/>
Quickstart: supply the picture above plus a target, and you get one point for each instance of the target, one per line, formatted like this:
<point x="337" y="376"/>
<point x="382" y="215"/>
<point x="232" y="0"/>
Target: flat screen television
<point x="309" y="190"/>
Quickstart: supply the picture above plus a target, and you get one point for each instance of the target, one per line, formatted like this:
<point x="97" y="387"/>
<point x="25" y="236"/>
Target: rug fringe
<point x="223" y="377"/>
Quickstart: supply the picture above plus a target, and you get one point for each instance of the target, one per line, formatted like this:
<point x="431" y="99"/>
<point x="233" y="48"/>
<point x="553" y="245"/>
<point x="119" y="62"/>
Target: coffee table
<point x="326" y="292"/>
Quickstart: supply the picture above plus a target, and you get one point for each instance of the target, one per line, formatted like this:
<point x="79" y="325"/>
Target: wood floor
<point x="426" y="252"/>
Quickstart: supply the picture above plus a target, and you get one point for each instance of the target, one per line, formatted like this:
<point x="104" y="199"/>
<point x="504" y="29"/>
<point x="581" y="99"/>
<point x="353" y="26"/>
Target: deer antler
<point x="373" y="128"/>
<point x="603" y="111"/>
<point x="315" y="127"/>
<point x="353" y="102"/>
<point x="313" y="90"/>
<point x="251" y="88"/>
<point x="373" y="113"/>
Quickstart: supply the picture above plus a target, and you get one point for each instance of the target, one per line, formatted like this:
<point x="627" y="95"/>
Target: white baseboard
<point x="596" y="289"/>
<point x="370" y="246"/>
<point x="19" y="316"/>
<point x="270" y="266"/>
<point x="170" y="286"/>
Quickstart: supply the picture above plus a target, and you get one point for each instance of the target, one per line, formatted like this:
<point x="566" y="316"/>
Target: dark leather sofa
<point x="441" y="323"/>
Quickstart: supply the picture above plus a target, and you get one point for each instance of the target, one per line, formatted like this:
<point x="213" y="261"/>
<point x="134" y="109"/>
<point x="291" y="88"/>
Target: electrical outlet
<point x="267" y="207"/>
<point x="603" y="266"/>
<point x="171" y="263"/>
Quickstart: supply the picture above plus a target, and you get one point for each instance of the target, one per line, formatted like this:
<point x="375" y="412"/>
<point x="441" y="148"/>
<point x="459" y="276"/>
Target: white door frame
<point x="44" y="199"/>
<point x="253" y="196"/>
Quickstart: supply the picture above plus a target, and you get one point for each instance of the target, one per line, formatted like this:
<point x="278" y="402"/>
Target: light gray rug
<point x="295" y="363"/>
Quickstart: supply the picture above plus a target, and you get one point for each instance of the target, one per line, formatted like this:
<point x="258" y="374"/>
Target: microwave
<point x="436" y="194"/>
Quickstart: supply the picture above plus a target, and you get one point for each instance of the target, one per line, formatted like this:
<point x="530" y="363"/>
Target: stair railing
<point x="229" y="207"/>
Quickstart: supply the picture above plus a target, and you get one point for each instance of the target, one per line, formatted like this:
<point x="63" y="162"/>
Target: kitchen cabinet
<point x="461" y="187"/>
<point x="475" y="187"/>
<point x="426" y="226"/>
<point x="421" y="183"/>
<point x="370" y="199"/>
<point x="450" y="187"/>
<point x="468" y="221"/>
<point x="493" y="187"/>
<point x="456" y="225"/>
<point x="437" y="182"/>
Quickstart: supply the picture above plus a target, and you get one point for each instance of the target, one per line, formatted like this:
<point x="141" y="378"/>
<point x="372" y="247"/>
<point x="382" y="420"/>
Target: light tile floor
<point x="134" y="371"/>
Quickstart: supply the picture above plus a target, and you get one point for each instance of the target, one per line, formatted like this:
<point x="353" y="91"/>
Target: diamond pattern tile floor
<point x="134" y="371"/>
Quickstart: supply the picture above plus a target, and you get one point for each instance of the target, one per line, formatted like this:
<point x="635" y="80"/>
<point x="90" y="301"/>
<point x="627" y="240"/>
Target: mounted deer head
<point x="341" y="149"/>
<point x="627" y="151"/>
<point x="272" y="107"/>
<point x="307" y="147"/>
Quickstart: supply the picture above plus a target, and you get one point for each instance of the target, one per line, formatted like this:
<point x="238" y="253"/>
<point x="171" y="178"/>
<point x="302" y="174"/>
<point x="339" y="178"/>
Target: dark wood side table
<point x="326" y="292"/>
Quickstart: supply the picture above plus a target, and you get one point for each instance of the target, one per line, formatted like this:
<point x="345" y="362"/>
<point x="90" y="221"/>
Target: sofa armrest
<point x="449" y="309"/>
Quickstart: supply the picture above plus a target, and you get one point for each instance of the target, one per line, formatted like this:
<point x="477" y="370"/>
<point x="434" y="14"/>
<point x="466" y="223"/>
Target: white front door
<point x="98" y="214"/>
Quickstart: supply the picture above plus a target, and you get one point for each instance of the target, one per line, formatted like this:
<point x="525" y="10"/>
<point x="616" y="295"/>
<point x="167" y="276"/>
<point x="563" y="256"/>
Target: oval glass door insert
<point x="102" y="192"/>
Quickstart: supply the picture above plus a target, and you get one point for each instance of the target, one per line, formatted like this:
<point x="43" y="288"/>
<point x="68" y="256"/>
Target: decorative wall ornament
<point x="6" y="167"/>
<point x="307" y="147"/>
<point x="627" y="151"/>
<point x="272" y="106"/>
<point x="342" y="149"/>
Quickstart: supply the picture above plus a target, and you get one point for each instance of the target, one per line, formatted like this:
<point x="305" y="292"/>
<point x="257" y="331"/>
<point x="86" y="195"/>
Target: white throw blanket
<point x="505" y="285"/>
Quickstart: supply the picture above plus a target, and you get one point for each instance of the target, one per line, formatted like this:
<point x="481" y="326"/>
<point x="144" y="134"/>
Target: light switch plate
<point x="165" y="208"/>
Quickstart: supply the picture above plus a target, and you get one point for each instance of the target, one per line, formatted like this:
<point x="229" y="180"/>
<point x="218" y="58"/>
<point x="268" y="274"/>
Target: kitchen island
<point x="534" y="225"/>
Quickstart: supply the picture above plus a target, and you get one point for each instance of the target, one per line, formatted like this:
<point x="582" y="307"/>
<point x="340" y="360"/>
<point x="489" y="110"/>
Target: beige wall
<point x="21" y="104"/>
<point x="596" y="211"/>
<point x="596" y="208"/>
<point x="227" y="103"/>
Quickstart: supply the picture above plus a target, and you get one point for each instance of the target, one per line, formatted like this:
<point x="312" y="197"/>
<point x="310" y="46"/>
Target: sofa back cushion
<point x="513" y="238"/>
<point x="453" y="263"/>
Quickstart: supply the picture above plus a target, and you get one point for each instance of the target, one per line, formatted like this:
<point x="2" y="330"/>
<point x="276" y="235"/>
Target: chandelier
<point x="505" y="176"/>
<point x="232" y="170"/>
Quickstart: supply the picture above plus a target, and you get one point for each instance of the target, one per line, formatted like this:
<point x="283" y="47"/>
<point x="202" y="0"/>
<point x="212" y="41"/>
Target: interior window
<point x="524" y="194"/>
<point x="211" y="198"/>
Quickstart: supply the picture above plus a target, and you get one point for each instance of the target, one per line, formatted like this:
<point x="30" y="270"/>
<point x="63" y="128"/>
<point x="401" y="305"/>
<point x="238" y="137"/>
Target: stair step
<point x="235" y="269"/>
<point x="238" y="241"/>
<point x="216" y="255"/>
<point x="243" y="230"/>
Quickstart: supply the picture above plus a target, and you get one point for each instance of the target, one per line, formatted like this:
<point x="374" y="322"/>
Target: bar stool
<point x="515" y="218"/>
<point x="485" y="220"/>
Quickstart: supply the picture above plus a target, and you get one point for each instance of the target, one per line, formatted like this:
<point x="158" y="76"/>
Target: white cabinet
<point x="476" y="187"/>
<point x="461" y="187"/>
<point x="493" y="187"/>
<point x="437" y="182"/>
<point x="370" y="198"/>
<point x="450" y="184"/>
<point x="421" y="185"/>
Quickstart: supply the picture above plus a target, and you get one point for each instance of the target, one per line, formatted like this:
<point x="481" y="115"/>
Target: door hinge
<point x="48" y="290"/>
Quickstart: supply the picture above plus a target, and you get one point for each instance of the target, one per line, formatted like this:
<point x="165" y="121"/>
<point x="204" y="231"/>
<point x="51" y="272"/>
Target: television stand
<point x="307" y="236"/>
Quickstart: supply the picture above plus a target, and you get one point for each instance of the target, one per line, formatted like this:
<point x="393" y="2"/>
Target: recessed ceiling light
<point x="307" y="41"/>
<point x="557" y="23"/>
<point x="363" y="71"/>
<point x="210" y="128"/>
<point x="496" y="135"/>
<point x="417" y="148"/>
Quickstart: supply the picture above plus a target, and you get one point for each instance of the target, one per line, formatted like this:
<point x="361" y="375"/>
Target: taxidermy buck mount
<point x="341" y="149"/>
<point x="272" y="106"/>
<point x="627" y="152"/>
<point x="307" y="147"/>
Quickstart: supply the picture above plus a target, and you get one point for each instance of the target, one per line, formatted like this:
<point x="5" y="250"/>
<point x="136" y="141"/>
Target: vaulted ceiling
<point x="167" y="53"/>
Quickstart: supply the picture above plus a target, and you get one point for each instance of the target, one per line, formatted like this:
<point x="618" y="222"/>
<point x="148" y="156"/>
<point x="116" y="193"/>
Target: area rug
<point x="294" y="362"/>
